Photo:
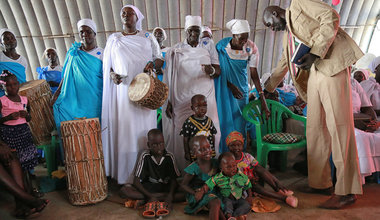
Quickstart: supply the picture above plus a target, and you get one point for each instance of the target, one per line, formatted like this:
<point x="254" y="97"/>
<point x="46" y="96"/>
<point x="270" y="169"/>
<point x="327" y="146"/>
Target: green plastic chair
<point x="49" y="150"/>
<point x="275" y="123"/>
<point x="159" y="116"/>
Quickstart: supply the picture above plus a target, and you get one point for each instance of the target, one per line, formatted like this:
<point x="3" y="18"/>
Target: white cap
<point x="163" y="31"/>
<point x="88" y="22"/>
<point x="238" y="26"/>
<point x="192" y="21"/>
<point x="205" y="28"/>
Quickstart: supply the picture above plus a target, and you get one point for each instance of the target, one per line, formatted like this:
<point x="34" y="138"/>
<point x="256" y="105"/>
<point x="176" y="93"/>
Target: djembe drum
<point x="148" y="91"/>
<point x="87" y="183"/>
<point x="42" y="124"/>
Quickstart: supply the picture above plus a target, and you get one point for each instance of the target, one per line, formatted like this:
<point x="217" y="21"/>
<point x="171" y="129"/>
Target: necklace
<point x="133" y="33"/>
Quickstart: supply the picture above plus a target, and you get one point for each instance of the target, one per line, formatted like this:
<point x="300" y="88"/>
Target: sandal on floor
<point x="231" y="218"/>
<point x="149" y="210"/>
<point x="162" y="209"/>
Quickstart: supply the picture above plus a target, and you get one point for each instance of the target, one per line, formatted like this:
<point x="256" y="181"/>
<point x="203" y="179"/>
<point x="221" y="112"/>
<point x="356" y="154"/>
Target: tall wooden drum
<point x="82" y="143"/>
<point x="42" y="124"/>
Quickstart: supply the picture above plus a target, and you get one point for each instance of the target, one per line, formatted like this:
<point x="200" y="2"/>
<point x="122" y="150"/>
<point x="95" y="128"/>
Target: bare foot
<point x="292" y="201"/>
<point x="338" y="201"/>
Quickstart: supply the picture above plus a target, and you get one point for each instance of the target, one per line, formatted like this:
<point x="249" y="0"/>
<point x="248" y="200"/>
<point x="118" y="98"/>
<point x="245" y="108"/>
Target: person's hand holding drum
<point x="116" y="78"/>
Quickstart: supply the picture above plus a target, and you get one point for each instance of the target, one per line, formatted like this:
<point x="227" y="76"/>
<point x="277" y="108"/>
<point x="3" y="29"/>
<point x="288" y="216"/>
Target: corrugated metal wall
<point x="52" y="23"/>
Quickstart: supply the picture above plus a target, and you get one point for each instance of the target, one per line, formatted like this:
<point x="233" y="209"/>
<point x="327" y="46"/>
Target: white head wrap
<point x="3" y="30"/>
<point x="192" y="21"/>
<point x="375" y="62"/>
<point x="364" y="61"/>
<point x="163" y="31"/>
<point x="88" y="22"/>
<point x="238" y="26"/>
<point x="46" y="50"/>
<point x="139" y="15"/>
<point x="205" y="28"/>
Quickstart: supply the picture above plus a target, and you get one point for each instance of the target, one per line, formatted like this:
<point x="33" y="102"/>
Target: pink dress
<point x="16" y="133"/>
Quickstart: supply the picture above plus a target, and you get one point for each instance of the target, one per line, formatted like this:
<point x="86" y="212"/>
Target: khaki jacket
<point x="316" y="24"/>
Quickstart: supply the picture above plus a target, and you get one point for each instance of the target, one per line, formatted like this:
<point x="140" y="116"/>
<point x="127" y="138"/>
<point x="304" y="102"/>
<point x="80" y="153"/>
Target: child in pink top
<point x="14" y="130"/>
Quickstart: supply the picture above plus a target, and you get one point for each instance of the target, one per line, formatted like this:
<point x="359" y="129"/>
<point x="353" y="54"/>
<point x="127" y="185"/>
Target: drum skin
<point x="148" y="91"/>
<point x="42" y="123"/>
<point x="86" y="178"/>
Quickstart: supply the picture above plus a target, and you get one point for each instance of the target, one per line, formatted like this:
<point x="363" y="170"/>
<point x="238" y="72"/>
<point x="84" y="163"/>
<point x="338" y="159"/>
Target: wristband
<point x="213" y="72"/>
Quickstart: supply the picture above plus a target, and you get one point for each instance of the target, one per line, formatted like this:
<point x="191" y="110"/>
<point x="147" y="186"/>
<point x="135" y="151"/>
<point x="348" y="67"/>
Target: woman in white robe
<point x="191" y="67"/>
<point x="366" y="142"/>
<point x="124" y="123"/>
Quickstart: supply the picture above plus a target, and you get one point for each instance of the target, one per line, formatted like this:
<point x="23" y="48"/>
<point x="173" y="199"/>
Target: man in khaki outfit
<point x="323" y="79"/>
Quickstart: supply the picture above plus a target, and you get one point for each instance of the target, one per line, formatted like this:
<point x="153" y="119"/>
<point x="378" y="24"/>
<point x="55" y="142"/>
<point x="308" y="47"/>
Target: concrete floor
<point x="367" y="207"/>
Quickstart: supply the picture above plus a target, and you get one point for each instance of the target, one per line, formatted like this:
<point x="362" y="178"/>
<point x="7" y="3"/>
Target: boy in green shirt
<point x="231" y="184"/>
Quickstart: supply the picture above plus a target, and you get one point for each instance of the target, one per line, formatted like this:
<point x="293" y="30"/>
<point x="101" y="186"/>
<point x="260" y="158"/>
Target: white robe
<point x="125" y="124"/>
<point x="367" y="143"/>
<point x="185" y="78"/>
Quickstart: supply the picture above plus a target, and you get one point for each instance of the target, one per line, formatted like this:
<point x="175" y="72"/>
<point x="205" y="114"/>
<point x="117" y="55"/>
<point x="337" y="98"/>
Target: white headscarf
<point x="205" y="28"/>
<point x="192" y="21"/>
<point x="238" y="26"/>
<point x="375" y="62"/>
<point x="44" y="55"/>
<point x="139" y="15"/>
<point x="163" y="31"/>
<point x="88" y="22"/>
<point x="3" y="30"/>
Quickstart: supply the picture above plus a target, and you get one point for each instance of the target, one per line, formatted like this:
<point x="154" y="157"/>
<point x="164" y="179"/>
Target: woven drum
<point x="148" y="91"/>
<point x="39" y="94"/>
<point x="82" y="143"/>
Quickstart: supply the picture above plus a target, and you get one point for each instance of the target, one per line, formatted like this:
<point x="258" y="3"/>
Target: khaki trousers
<point x="330" y="129"/>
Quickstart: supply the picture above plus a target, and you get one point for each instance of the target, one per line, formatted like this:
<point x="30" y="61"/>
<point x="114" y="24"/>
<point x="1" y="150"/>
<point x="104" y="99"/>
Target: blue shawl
<point x="82" y="87"/>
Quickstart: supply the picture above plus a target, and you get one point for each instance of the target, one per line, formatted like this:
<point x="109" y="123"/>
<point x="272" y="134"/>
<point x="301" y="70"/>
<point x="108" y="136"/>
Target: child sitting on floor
<point x="202" y="169"/>
<point x="155" y="178"/>
<point x="232" y="184"/>
<point x="198" y="124"/>
<point x="250" y="167"/>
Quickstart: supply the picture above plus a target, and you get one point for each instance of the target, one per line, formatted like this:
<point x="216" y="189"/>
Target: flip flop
<point x="162" y="209"/>
<point x="149" y="210"/>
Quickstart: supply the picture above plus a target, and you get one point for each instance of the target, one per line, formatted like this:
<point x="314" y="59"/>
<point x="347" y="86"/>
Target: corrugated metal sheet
<point x="39" y="24"/>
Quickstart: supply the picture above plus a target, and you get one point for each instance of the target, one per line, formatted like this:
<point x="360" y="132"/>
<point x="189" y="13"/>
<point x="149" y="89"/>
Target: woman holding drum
<point x="124" y="123"/>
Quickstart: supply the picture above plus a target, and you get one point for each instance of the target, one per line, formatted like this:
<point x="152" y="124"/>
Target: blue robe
<point x="229" y="108"/>
<point x="49" y="75"/>
<point x="15" y="68"/>
<point x="82" y="87"/>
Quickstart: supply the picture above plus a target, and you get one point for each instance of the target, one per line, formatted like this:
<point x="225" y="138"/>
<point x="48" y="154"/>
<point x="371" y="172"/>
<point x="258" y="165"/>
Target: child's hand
<point x="14" y="116"/>
<point x="23" y="113"/>
<point x="198" y="195"/>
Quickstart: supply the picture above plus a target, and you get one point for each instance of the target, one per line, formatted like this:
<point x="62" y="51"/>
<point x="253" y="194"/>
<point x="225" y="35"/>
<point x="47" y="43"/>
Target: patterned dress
<point x="198" y="181"/>
<point x="195" y="127"/>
